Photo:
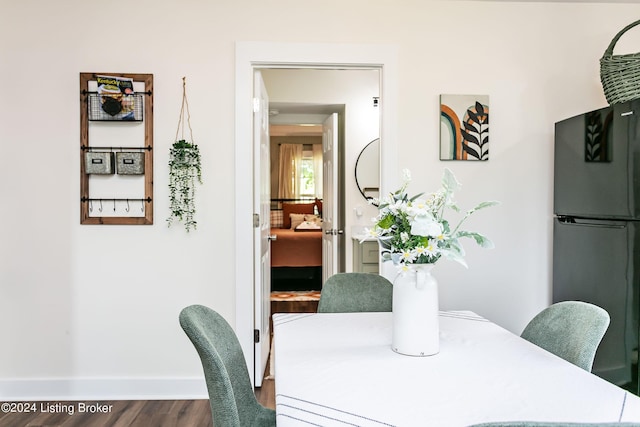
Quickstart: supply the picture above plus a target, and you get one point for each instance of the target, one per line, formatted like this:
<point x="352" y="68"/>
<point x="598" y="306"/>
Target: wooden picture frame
<point x="146" y="146"/>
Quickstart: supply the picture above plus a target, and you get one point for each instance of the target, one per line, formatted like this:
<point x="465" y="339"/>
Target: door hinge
<point x="256" y="220"/>
<point x="256" y="336"/>
<point x="256" y="105"/>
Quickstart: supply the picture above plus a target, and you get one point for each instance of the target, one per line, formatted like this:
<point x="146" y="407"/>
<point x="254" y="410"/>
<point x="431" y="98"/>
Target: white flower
<point x="406" y="176"/>
<point x="431" y="249"/>
<point x="396" y="206"/>
<point x="407" y="256"/>
<point x="424" y="225"/>
<point x="404" y="268"/>
<point x="404" y="236"/>
<point x="420" y="250"/>
<point x="419" y="207"/>
<point x="369" y="233"/>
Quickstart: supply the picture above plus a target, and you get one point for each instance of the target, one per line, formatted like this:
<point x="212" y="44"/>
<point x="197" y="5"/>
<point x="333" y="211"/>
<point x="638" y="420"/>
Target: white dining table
<point x="338" y="369"/>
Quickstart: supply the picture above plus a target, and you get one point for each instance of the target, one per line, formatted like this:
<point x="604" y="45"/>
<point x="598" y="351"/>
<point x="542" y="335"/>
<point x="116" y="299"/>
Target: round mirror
<point x="368" y="171"/>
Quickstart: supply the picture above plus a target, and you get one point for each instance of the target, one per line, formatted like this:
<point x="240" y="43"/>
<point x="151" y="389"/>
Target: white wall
<point x="91" y="311"/>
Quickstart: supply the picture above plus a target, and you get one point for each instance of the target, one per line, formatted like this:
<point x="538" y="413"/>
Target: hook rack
<point x="145" y="102"/>
<point x="114" y="200"/>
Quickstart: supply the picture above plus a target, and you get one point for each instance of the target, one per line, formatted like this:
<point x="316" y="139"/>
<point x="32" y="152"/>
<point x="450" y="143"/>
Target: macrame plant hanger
<point x="185" y="104"/>
<point x="184" y="170"/>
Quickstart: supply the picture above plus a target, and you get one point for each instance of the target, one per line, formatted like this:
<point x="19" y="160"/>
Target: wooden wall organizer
<point x="87" y="98"/>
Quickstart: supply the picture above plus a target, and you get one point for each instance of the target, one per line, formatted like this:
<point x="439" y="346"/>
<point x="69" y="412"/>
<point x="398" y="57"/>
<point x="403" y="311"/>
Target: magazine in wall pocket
<point x="115" y="99"/>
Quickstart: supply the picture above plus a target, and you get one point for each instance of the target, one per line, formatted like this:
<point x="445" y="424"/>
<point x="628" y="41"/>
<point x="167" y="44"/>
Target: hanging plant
<point x="184" y="170"/>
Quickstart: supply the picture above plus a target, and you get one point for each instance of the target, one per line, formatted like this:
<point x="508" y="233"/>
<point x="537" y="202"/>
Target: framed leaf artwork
<point x="464" y="127"/>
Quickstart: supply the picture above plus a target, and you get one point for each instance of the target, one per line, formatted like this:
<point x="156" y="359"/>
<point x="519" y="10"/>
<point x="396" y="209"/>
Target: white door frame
<point x="252" y="55"/>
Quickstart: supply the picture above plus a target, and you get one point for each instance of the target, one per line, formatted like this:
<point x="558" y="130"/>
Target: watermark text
<point x="68" y="408"/>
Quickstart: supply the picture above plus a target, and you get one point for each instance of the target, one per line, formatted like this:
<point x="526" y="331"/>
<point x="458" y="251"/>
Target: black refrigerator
<point x="596" y="232"/>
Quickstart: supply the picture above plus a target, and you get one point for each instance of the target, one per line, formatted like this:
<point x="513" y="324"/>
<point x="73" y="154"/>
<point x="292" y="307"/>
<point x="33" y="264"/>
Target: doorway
<point x="300" y="101"/>
<point x="296" y="150"/>
<point x="249" y="57"/>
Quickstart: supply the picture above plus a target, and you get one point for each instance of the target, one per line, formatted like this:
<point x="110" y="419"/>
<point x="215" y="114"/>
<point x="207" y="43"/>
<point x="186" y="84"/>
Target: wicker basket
<point x="620" y="74"/>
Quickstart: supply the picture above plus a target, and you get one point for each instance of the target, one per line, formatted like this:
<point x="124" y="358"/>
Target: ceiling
<point x="297" y="108"/>
<point x="564" y="1"/>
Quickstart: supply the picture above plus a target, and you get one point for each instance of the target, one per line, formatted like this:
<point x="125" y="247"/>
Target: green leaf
<point x="386" y="222"/>
<point x="415" y="197"/>
<point x="455" y="247"/>
<point x="454" y="256"/>
<point x="449" y="181"/>
<point x="453" y="207"/>
<point x="486" y="205"/>
<point x="481" y="240"/>
<point x="182" y="144"/>
<point x="385" y="242"/>
<point x="481" y="206"/>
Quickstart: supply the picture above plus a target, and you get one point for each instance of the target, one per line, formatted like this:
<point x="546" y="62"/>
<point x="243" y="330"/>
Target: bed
<point x="294" y="248"/>
<point x="296" y="254"/>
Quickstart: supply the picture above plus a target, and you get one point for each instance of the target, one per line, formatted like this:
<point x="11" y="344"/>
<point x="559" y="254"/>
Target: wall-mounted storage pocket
<point x="98" y="162"/>
<point x="130" y="163"/>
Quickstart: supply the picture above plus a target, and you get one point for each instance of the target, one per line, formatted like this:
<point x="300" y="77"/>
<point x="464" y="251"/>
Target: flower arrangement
<point x="414" y="230"/>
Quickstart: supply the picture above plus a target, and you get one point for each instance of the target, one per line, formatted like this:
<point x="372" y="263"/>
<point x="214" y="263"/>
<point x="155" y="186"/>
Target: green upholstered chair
<point x="231" y="396"/>
<point x="354" y="292"/>
<point x="569" y="329"/>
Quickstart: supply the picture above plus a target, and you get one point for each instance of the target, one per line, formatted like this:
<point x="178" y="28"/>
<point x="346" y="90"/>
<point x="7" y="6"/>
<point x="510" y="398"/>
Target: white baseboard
<point x="83" y="389"/>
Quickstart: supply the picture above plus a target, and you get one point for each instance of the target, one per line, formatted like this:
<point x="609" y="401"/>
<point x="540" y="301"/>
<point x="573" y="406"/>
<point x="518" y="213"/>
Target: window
<point x="307" y="172"/>
<point x="300" y="171"/>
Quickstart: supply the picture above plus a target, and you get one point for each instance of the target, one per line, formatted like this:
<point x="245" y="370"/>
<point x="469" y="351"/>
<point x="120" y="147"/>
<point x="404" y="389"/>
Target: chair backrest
<point x="354" y="292"/>
<point x="231" y="396"/>
<point x="569" y="329"/>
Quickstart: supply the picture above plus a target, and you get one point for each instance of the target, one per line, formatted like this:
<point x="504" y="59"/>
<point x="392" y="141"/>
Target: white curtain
<point x="317" y="169"/>
<point x="290" y="157"/>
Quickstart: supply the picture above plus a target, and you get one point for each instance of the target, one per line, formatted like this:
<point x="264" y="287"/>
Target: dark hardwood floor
<point x="121" y="413"/>
<point x="133" y="413"/>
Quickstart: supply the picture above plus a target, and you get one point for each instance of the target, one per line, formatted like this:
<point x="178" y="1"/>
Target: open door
<point x="262" y="229"/>
<point x="248" y="57"/>
<point x="331" y="233"/>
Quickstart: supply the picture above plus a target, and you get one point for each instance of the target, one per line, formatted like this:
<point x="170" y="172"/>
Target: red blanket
<point x="296" y="249"/>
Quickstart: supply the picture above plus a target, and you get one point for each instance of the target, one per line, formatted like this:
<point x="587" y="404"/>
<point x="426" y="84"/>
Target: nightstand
<point x="365" y="256"/>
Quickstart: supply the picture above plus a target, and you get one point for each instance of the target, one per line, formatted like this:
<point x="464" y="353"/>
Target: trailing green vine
<point x="184" y="169"/>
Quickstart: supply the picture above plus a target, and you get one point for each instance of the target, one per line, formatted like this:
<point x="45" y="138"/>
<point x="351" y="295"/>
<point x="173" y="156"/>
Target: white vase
<point x="415" y="312"/>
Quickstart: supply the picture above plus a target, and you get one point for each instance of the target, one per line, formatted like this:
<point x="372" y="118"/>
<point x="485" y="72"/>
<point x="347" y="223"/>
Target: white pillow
<point x="296" y="220"/>
<point x="308" y="225"/>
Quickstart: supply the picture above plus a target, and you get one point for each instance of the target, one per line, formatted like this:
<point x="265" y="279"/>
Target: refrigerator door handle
<point x="583" y="222"/>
